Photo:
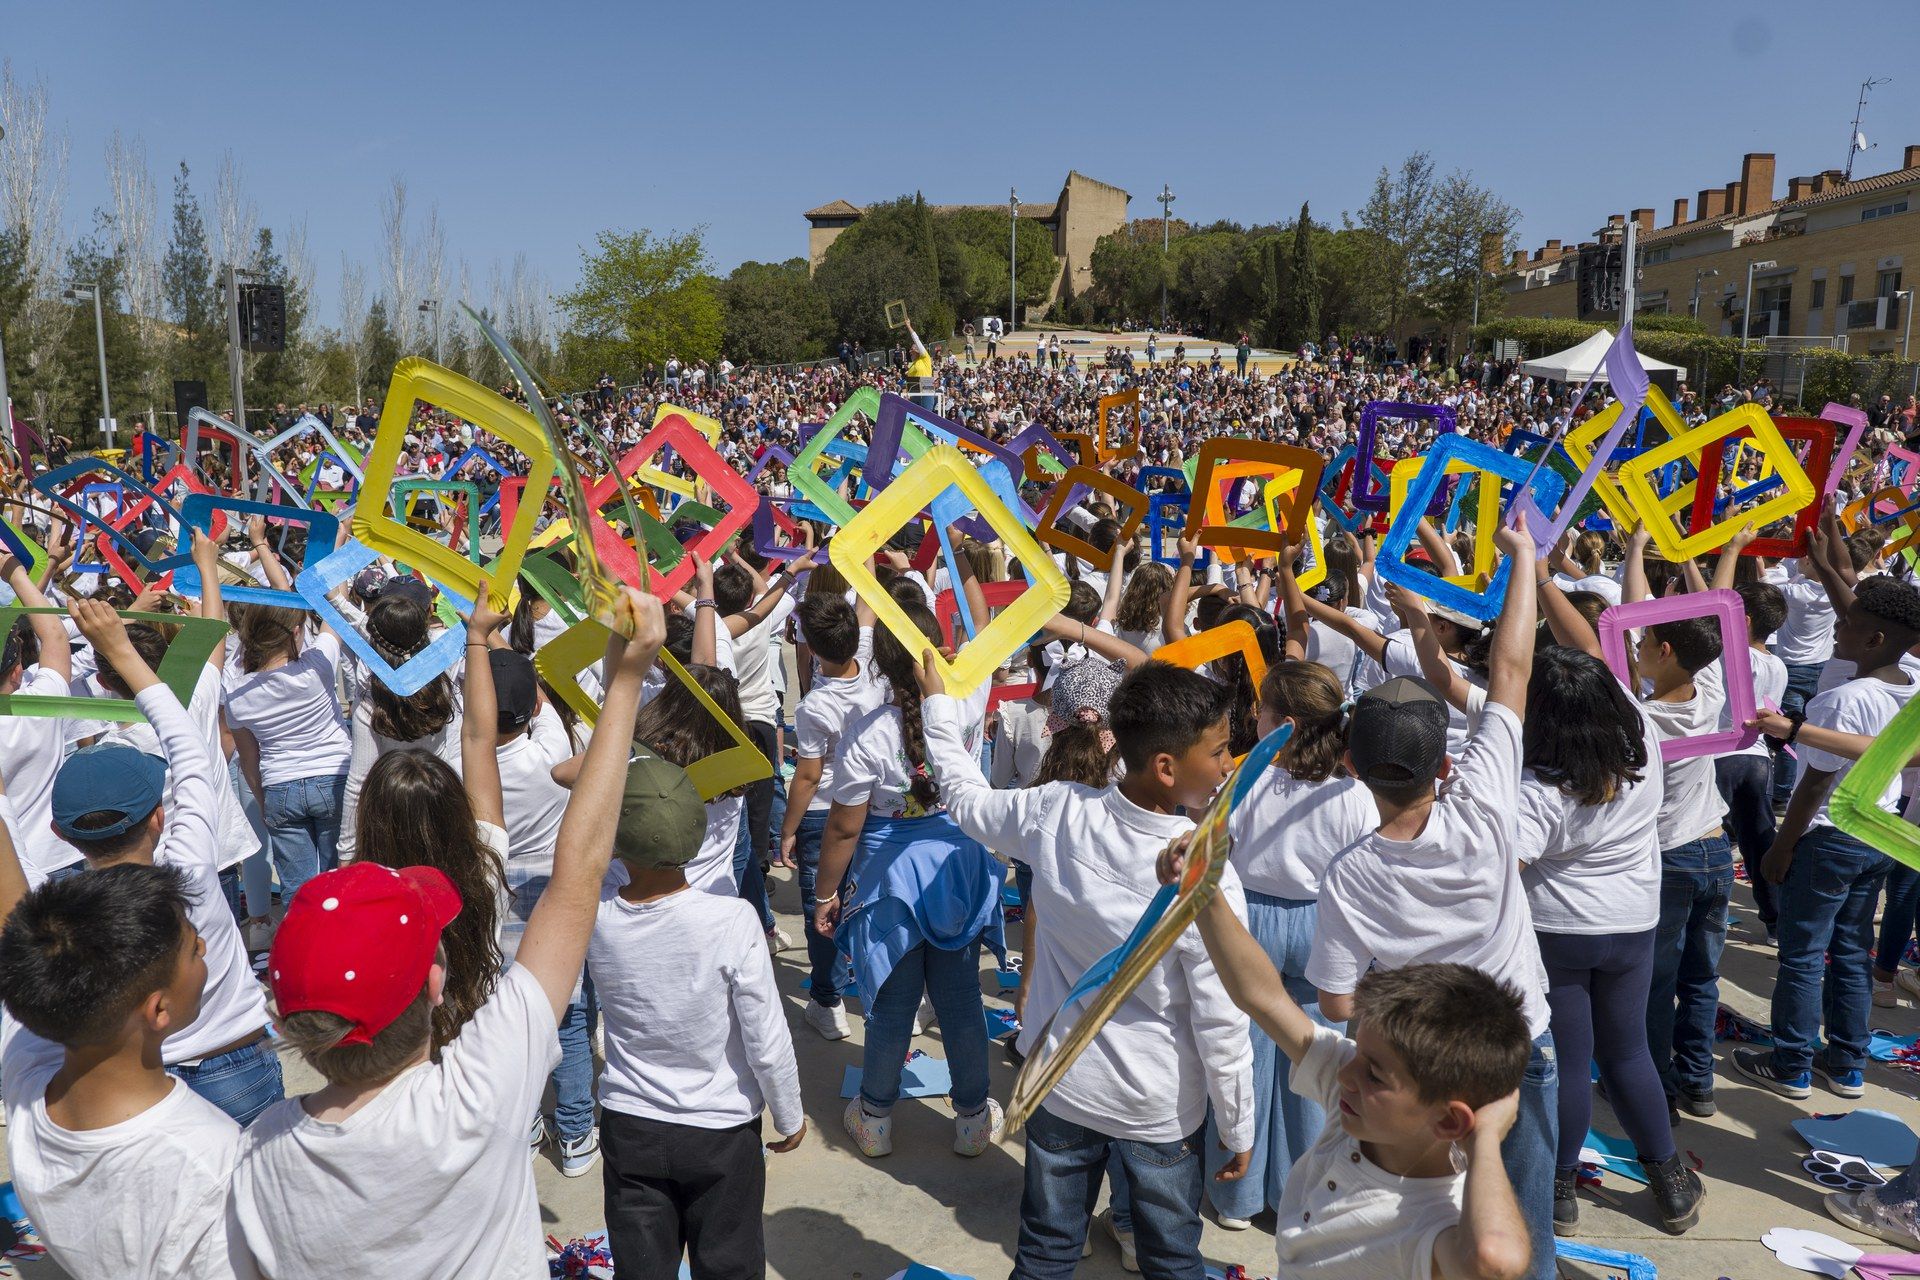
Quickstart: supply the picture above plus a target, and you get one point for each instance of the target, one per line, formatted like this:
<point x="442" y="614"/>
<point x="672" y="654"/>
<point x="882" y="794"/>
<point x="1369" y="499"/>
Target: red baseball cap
<point x="358" y="942"/>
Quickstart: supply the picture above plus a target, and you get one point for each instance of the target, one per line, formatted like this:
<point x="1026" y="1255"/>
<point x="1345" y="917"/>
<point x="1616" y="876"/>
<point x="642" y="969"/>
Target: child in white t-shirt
<point x="1409" y="1178"/>
<point x="422" y="1164"/>
<point x="1745" y="777"/>
<point x="123" y="1168"/>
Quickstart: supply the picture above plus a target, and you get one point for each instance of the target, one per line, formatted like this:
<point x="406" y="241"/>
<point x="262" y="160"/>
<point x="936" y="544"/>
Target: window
<point x="1883" y="211"/>
<point x="1819" y="298"/>
<point x="1888" y="284"/>
<point x="1846" y="290"/>
<point x="1652" y="256"/>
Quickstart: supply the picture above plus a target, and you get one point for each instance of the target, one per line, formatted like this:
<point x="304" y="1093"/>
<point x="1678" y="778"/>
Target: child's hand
<point x="826" y="912"/>
<point x="649" y="634"/>
<point x="1771" y="723"/>
<point x="1236" y="1166"/>
<point x="485" y="619"/>
<point x="1515" y="540"/>
<point x="1173" y="859"/>
<point x="1188" y="550"/>
<point x="1743" y="537"/>
<point x="1493" y="1121"/>
<point x="206" y="556"/>
<point x="789" y="1142"/>
<point x="104" y="629"/>
<point x="786" y="856"/>
<point x="1638" y="539"/>
<point x="702" y="576"/>
<point x="1774" y="867"/>
<point x="256" y="531"/>
<point x="927" y="674"/>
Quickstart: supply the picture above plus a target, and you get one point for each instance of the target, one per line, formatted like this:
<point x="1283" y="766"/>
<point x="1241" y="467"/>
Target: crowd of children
<point x="1476" y="865"/>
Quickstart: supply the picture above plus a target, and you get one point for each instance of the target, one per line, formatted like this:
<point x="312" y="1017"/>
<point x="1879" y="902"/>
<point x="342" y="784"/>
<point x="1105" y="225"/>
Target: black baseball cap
<point x="1398" y="734"/>
<point x="515" y="690"/>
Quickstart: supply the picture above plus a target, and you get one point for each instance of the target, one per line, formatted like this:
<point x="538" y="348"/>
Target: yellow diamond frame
<point x="1795" y="491"/>
<point x="415" y="379"/>
<point x="1486" y="513"/>
<point x="562" y="659"/>
<point x="1580" y="441"/>
<point x="902" y="500"/>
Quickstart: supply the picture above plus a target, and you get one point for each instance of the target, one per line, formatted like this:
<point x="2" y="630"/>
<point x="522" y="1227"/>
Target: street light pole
<point x="433" y="305"/>
<point x="1698" y="276"/>
<point x="1906" y="339"/>
<point x="74" y="293"/>
<point x="1746" y="313"/>
<point x="235" y="366"/>
<point x="1166" y="199"/>
<point x="1013" y="260"/>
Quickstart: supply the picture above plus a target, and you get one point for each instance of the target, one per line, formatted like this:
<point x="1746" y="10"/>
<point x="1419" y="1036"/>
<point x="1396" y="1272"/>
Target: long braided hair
<point x="894" y="662"/>
<point x="397" y="628"/>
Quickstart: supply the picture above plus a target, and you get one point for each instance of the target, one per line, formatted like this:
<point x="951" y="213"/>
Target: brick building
<point x="1839" y="251"/>
<point x="1086" y="210"/>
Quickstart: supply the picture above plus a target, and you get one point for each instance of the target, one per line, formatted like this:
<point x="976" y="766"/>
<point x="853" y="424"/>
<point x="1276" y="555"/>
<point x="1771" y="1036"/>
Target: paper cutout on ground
<point x="1615" y="1155"/>
<point x="1875" y="1136"/>
<point x="1116" y="975"/>
<point x="1823" y="1255"/>
<point x="1635" y="1266"/>
<point x="924" y="1076"/>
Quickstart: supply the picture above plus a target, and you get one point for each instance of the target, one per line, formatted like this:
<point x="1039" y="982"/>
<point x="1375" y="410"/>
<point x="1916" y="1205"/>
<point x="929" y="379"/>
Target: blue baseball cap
<point x="110" y="778"/>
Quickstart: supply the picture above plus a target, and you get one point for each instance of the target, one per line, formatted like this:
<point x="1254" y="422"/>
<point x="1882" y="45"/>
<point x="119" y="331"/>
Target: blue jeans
<point x="1696" y="880"/>
<point x="303" y="821"/>
<point x="242" y="1083"/>
<point x="1285" y="1123"/>
<point x="1746" y="784"/>
<point x="1897" y="917"/>
<point x="1801" y="683"/>
<point x="1528" y="1152"/>
<point x="951" y="979"/>
<point x="1826" y="948"/>
<point x="831" y="971"/>
<point x="573" y="1078"/>
<point x="1065" y="1163"/>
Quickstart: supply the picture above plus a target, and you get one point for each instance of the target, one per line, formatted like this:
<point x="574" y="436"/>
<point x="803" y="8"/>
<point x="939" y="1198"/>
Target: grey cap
<point x="1398" y="734"/>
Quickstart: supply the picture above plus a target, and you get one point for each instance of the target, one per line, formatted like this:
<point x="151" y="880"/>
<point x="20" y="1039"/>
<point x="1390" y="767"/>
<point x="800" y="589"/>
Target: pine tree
<point x="1303" y="290"/>
<point x="382" y="348"/>
<point x="186" y="282"/>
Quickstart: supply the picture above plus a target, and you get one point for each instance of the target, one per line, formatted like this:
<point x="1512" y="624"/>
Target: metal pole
<point x="233" y="347"/>
<point x="1746" y="325"/>
<point x="1013" y="260"/>
<point x="1906" y="340"/>
<point x="6" y="398"/>
<point x="1166" y="199"/>
<point x="100" y="336"/>
<point x="1629" y="271"/>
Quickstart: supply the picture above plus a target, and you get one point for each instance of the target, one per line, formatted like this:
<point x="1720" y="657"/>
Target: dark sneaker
<point x="1696" y="1104"/>
<point x="1566" y="1206"/>
<point x="1848" y="1084"/>
<point x="1757" y="1066"/>
<point x="1677" y="1193"/>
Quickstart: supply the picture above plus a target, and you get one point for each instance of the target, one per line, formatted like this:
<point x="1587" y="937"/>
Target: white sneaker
<point x="872" y="1134"/>
<point x="1908" y="981"/>
<point x="1129" y="1260"/>
<point x="579" y="1155"/>
<point x="778" y="941"/>
<point x="1232" y="1224"/>
<point x="831" y="1023"/>
<point x="259" y="934"/>
<point x="1885" y="995"/>
<point x="538" y="1136"/>
<point x="924" y="1018"/>
<point x="973" y="1134"/>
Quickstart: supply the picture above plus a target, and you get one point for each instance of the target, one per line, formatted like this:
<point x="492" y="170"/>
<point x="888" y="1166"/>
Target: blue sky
<point x="535" y="126"/>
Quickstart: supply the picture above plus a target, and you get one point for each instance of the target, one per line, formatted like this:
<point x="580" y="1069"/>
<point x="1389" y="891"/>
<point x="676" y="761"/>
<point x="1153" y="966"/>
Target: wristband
<point x="705" y="604"/>
<point x="1799" y="718"/>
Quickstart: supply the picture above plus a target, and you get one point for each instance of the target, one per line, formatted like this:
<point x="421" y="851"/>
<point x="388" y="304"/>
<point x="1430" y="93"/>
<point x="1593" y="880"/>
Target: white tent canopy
<point x="1583" y="361"/>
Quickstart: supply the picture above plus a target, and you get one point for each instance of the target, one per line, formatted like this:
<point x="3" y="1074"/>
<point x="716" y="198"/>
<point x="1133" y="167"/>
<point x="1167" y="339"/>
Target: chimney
<point x="1834" y="178"/>
<point x="1645" y="218"/>
<point x="1799" y="188"/>
<point x="1519" y="259"/>
<point x="1756" y="181"/>
<point x="1713" y="203"/>
<point x="1679" y="211"/>
<point x="1730" y="198"/>
<point x="1553" y="249"/>
<point x="1912" y="159"/>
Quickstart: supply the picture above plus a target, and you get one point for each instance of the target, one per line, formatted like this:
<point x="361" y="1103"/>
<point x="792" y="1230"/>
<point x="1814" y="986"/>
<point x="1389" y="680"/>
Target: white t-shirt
<point x="828" y="708"/>
<point x="1022" y="743"/>
<point x="1805" y="639"/>
<point x="873" y="769"/>
<point x="1863" y="706"/>
<point x="1769" y="686"/>
<point x="1593" y="869"/>
<point x="293" y="712"/>
<point x="752" y="657"/>
<point x="1452" y="893"/>
<point x="235" y="836"/>
<point x="31" y="751"/>
<point x="695" y="1031"/>
<point x="533" y="804"/>
<point x="1286" y="831"/>
<point x="431" y="1178"/>
<point x="144" y="1199"/>
<point x="1692" y="806"/>
<point x="1343" y="1217"/>
<point x="712" y="867"/>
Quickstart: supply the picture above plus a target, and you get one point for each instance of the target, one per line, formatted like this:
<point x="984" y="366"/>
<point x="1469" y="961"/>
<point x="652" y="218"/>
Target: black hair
<point x="1083" y="602"/>
<point x="1766" y="607"/>
<point x="1163" y="709"/>
<point x="892" y="660"/>
<point x="22" y="649"/>
<point x="679" y="640"/>
<point x="1581" y="731"/>
<point x="1695" y="641"/>
<point x="78" y="954"/>
<point x="1890" y="601"/>
<point x="732" y="589"/>
<point x="398" y="628"/>
<point x="831" y="626"/>
<point x="148" y="643"/>
<point x="1233" y="671"/>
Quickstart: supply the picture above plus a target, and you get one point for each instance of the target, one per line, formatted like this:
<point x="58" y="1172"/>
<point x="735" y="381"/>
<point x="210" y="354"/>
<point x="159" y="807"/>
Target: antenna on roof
<point x="1856" y="140"/>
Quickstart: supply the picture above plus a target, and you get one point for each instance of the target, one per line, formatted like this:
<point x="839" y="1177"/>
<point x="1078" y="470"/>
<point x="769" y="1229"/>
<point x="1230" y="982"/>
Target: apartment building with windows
<point x="1838" y="251"/>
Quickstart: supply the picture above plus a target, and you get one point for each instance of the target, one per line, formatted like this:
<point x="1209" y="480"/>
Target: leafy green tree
<point x="973" y="261"/>
<point x="1399" y="215"/>
<point x="881" y="259"/>
<point x="1127" y="275"/>
<point x="198" y="350"/>
<point x="1302" y="323"/>
<point x="1466" y="220"/>
<point x="774" y="314"/>
<point x="382" y="349"/>
<point x="640" y="298"/>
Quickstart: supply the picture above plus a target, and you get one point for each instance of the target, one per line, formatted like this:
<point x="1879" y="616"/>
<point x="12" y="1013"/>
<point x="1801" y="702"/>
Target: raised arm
<point x="554" y="946"/>
<point x="1440" y="673"/>
<point x="56" y="651"/>
<point x="206" y="558"/>
<point x="1116" y="581"/>
<point x="1364" y="637"/>
<point x="1511" y="661"/>
<point x="1294" y="602"/>
<point x="1569" y="626"/>
<point x="1633" y="583"/>
<point x="1065" y="629"/>
<point x="706" y="613"/>
<point x="1173" y="614"/>
<point x="263" y="552"/>
<point x="1723" y="568"/>
<point x="1000" y="820"/>
<point x="480" y="714"/>
<point x="1490" y="1240"/>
